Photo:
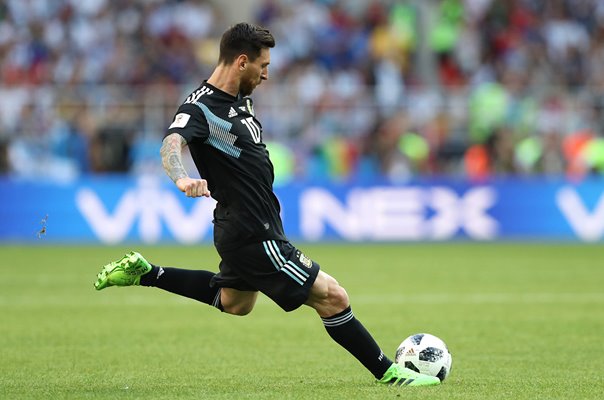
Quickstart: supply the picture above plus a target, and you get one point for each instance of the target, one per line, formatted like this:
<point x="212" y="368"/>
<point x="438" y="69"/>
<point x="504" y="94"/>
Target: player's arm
<point x="171" y="158"/>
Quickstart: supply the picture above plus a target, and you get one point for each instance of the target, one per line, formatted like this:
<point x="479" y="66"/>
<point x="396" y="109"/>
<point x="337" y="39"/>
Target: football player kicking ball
<point x="218" y="124"/>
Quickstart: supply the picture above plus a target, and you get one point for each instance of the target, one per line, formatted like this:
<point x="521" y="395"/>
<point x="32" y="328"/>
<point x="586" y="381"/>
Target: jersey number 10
<point x="253" y="128"/>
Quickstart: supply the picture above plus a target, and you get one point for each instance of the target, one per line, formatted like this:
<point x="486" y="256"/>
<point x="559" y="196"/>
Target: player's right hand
<point x="193" y="187"/>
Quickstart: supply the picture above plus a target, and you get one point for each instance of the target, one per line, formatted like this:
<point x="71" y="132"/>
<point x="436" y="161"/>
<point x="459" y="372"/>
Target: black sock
<point x="194" y="284"/>
<point x="349" y="333"/>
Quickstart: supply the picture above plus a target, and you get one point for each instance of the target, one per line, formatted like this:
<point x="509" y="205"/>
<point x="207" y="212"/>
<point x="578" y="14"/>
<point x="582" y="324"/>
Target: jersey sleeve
<point x="189" y="122"/>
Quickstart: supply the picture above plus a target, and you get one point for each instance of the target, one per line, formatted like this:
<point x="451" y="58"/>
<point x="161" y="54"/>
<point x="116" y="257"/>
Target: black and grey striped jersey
<point x="225" y="141"/>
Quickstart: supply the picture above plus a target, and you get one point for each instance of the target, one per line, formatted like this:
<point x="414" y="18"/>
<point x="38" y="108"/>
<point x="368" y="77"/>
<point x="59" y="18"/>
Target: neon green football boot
<point x="125" y="272"/>
<point x="400" y="376"/>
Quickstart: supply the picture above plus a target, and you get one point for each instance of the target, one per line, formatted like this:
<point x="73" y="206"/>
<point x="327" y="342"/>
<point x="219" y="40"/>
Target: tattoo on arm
<point x="171" y="156"/>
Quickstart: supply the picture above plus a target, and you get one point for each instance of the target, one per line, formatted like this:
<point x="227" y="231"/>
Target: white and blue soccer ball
<point x="426" y="354"/>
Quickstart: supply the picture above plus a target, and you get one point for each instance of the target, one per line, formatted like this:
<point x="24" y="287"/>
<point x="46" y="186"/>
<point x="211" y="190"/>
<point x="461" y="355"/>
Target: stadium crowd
<point x="358" y="89"/>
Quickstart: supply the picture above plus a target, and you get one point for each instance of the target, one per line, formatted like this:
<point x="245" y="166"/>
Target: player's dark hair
<point x="244" y="38"/>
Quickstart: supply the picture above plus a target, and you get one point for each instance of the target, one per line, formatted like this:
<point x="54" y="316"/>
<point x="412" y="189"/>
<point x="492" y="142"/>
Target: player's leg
<point x="133" y="269"/>
<point x="288" y="277"/>
<point x="237" y="302"/>
<point x="331" y="302"/>
<point x="275" y="268"/>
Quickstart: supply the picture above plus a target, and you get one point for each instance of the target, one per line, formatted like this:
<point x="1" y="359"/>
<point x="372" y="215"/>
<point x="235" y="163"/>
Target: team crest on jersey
<point x="307" y="262"/>
<point x="180" y="120"/>
<point x="250" y="107"/>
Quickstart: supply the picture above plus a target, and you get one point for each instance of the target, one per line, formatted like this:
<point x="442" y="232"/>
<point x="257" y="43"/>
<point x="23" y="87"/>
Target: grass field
<point x="522" y="322"/>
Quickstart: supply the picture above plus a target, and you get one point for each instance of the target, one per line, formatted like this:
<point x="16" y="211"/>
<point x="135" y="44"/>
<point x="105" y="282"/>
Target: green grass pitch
<point x="523" y="321"/>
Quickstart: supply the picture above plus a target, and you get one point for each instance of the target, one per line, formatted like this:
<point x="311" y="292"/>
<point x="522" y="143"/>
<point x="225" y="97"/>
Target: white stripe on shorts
<point x="281" y="264"/>
<point x="271" y="256"/>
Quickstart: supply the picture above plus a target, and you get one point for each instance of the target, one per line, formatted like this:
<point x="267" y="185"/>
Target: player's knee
<point x="327" y="296"/>
<point x="338" y="297"/>
<point x="236" y="302"/>
<point x="240" y="309"/>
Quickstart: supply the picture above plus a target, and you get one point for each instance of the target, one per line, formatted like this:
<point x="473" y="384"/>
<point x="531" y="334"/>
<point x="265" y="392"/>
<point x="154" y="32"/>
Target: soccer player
<point x="218" y="124"/>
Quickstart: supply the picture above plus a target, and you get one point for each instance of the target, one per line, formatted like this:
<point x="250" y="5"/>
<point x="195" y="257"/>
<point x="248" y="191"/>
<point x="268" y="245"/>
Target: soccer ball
<point x="426" y="354"/>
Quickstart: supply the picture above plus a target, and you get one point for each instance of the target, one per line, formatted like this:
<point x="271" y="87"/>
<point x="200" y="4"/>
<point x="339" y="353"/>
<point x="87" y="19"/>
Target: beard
<point x="246" y="87"/>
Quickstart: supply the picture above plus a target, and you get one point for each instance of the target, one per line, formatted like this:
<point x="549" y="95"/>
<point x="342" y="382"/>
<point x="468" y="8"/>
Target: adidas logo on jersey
<point x="232" y="113"/>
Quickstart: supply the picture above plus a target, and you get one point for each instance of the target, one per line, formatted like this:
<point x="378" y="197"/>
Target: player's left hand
<point x="193" y="187"/>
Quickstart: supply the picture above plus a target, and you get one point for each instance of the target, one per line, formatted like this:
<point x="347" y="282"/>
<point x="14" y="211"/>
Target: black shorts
<point x="275" y="268"/>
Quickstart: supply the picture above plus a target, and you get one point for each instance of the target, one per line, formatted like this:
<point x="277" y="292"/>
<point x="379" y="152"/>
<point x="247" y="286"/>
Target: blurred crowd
<point x="357" y="90"/>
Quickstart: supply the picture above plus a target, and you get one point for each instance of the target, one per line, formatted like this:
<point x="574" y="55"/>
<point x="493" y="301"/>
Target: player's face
<point x="255" y="72"/>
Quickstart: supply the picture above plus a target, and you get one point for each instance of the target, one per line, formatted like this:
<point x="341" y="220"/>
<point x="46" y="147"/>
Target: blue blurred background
<point x="386" y="120"/>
